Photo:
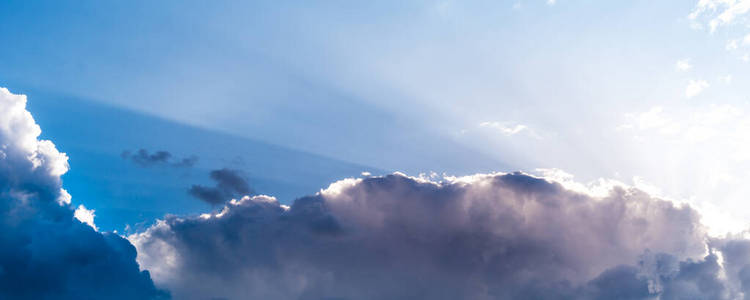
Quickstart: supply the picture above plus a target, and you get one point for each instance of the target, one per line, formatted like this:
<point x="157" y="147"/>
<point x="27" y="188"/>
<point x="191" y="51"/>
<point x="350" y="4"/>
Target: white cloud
<point x="551" y="2"/>
<point x="719" y="12"/>
<point x="507" y="128"/>
<point x="654" y="118"/>
<point x="598" y="188"/>
<point x="695" y="87"/>
<point x="683" y="65"/>
<point x="86" y="216"/>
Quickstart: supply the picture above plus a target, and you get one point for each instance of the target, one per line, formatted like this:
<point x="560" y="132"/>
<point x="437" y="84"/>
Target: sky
<point x="644" y="93"/>
<point x="193" y="131"/>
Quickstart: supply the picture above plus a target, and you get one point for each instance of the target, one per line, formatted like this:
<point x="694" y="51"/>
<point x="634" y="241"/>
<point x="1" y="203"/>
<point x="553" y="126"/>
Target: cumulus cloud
<point x="145" y="159"/>
<point x="229" y="184"/>
<point x="46" y="253"/>
<point x="487" y="236"/>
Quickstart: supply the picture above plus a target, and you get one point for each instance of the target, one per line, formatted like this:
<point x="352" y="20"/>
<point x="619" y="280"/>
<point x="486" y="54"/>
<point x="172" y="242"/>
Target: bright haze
<point x="521" y="149"/>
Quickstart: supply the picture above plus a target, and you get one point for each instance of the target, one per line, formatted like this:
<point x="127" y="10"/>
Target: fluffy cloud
<point x="46" y="253"/>
<point x="495" y="236"/>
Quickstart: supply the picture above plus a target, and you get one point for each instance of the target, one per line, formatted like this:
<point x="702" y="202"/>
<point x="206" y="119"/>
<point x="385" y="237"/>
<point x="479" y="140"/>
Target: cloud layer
<point x="46" y="253"/>
<point x="497" y="236"/>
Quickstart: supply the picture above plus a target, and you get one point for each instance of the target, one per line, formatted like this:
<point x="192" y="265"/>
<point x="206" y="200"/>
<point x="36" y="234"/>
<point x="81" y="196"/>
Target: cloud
<point x="720" y="12"/>
<point x="84" y="215"/>
<point x="46" y="253"/>
<point x="229" y="184"/>
<point x="144" y="159"/>
<point x="695" y="87"/>
<point x="508" y="128"/>
<point x="486" y="236"/>
<point x="683" y="65"/>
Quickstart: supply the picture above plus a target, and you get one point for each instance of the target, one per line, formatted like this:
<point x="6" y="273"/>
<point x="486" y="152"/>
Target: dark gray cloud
<point x="501" y="236"/>
<point x="229" y="184"/>
<point x="159" y="158"/>
<point x="45" y="252"/>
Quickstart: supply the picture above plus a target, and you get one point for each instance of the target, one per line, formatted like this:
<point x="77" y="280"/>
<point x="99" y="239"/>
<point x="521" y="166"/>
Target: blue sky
<point x="421" y="86"/>
<point x="305" y="150"/>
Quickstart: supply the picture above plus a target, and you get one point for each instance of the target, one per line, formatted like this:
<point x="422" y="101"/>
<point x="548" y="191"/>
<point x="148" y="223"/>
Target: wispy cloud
<point x="719" y="12"/>
<point x="695" y="87"/>
<point x="683" y="65"/>
<point x="506" y="128"/>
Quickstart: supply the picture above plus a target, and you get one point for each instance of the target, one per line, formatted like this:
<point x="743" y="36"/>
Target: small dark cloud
<point x="159" y="158"/>
<point x="229" y="184"/>
<point x="186" y="162"/>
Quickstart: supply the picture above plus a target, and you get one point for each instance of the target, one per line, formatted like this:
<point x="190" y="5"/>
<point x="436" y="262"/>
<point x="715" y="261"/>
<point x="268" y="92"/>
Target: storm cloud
<point x="159" y="158"/>
<point x="229" y="184"/>
<point x="46" y="253"/>
<point x="487" y="236"/>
